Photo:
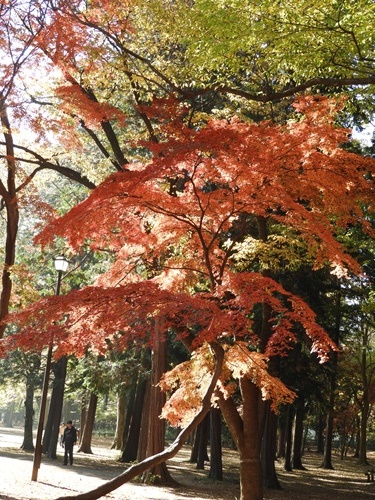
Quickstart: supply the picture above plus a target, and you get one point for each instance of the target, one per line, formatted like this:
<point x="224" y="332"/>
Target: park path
<point x="88" y="472"/>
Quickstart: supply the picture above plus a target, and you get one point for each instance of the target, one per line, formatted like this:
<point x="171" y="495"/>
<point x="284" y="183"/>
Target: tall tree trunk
<point x="298" y="433"/>
<point x="203" y="442"/>
<point x="143" y="431"/>
<point x="9" y="195"/>
<point x="281" y="439"/>
<point x="51" y="432"/>
<point x="83" y="418"/>
<point x="268" y="448"/>
<point x="216" y="462"/>
<point x="28" y="444"/>
<point x="343" y="439"/>
<point x="289" y="439"/>
<point x="268" y="419"/>
<point x="156" y="425"/>
<point x="195" y="447"/>
<point x="59" y="387"/>
<point x="320" y="435"/>
<point x="246" y="436"/>
<point x="131" y="446"/>
<point x="358" y="438"/>
<point x="85" y="444"/>
<point x="327" y="458"/>
<point x="129" y="407"/>
<point x="250" y="466"/>
<point x="365" y="402"/>
<point x="117" y="443"/>
<point x="49" y="423"/>
<point x="365" y="410"/>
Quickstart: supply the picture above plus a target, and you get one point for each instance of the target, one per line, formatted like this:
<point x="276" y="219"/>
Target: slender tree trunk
<point x="343" y="438"/>
<point x="203" y="442"/>
<point x="289" y="439"/>
<point x="358" y="438"/>
<point x="304" y="439"/>
<point x="249" y="447"/>
<point x="49" y="424"/>
<point x="216" y="462"/>
<point x="269" y="420"/>
<point x="298" y="433"/>
<point x="51" y="432"/>
<point x="365" y="403"/>
<point x="131" y="446"/>
<point x="268" y="448"/>
<point x="83" y="418"/>
<point x="59" y="387"/>
<point x="144" y="428"/>
<point x="281" y="439"/>
<point x="327" y="458"/>
<point x="195" y="448"/>
<point x="362" y="458"/>
<point x="9" y="195"/>
<point x="117" y="443"/>
<point x="85" y="445"/>
<point x="156" y="425"/>
<point x="320" y="435"/>
<point x="28" y="443"/>
<point x="129" y="408"/>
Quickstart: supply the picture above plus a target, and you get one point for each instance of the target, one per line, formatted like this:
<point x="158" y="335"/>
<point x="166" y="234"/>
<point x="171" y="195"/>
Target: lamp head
<point x="61" y="263"/>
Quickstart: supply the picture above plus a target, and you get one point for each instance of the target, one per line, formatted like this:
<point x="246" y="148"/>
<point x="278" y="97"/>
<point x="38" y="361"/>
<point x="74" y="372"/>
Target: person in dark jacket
<point x="68" y="441"/>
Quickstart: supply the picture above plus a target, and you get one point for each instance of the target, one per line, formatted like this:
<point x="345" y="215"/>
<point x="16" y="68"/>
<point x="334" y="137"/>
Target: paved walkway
<point x="55" y="479"/>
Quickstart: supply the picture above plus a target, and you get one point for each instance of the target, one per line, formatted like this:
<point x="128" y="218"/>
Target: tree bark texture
<point x="129" y="408"/>
<point x="85" y="444"/>
<point x="28" y="443"/>
<point x="120" y="422"/>
<point x="327" y="457"/>
<point x="59" y="387"/>
<point x="298" y="433"/>
<point x="203" y="442"/>
<point x="289" y="439"/>
<point x="268" y="448"/>
<point x="9" y="195"/>
<point x="216" y="459"/>
<point x="131" y="446"/>
<point x="156" y="425"/>
<point x="320" y="435"/>
<point x="250" y="466"/>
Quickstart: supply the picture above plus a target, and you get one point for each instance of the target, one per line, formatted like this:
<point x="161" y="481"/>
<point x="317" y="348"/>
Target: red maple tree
<point x="177" y="226"/>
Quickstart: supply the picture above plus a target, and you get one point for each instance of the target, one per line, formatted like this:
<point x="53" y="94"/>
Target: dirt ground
<point x="347" y="481"/>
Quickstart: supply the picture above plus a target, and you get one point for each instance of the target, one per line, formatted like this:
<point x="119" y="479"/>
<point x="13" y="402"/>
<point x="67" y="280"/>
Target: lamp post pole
<point x="61" y="265"/>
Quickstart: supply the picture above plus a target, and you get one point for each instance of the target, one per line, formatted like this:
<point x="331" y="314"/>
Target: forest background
<point x="193" y="160"/>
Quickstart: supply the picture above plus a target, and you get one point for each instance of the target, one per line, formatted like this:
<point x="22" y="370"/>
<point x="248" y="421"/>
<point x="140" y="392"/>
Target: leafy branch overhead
<point x="296" y="175"/>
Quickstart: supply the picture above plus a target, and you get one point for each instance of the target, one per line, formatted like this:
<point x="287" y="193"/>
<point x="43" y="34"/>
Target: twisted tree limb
<point x="169" y="452"/>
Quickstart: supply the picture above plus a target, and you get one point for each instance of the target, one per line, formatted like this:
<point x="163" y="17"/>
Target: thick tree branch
<point x="46" y="164"/>
<point x="292" y="91"/>
<point x="171" y="451"/>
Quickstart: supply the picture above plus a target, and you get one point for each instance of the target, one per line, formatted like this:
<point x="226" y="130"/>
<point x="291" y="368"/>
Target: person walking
<point x="61" y="432"/>
<point x="68" y="441"/>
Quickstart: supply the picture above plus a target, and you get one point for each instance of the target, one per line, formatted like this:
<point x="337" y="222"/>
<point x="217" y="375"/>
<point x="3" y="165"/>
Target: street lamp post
<point x="61" y="265"/>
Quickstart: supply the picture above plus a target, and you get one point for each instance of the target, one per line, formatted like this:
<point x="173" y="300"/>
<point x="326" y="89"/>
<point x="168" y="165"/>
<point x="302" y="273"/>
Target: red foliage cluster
<point x="297" y="175"/>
